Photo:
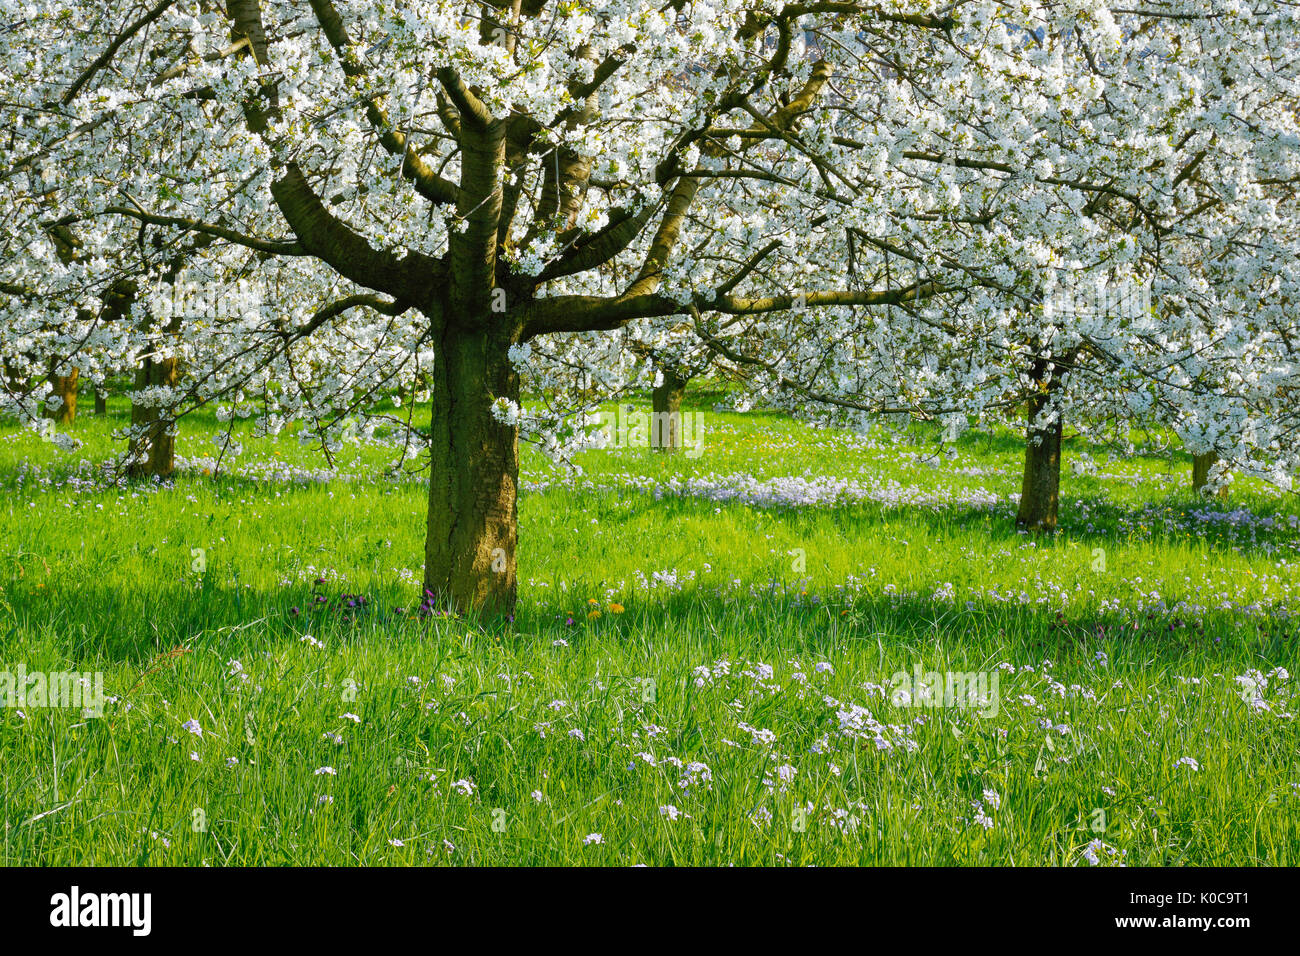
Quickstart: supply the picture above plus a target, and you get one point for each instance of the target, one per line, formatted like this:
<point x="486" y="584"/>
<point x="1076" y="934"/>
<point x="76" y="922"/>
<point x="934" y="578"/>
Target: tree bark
<point x="1201" y="465"/>
<point x="158" y="448"/>
<point x="101" y="405"/>
<point x="469" y="560"/>
<point x="666" y="424"/>
<point x="65" y="386"/>
<point x="1041" y="483"/>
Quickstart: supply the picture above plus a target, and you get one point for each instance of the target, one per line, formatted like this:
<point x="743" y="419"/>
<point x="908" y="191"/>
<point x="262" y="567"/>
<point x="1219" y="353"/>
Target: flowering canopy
<point x="867" y="206"/>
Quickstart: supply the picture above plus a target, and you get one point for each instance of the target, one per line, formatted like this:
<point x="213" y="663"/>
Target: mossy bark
<point x="666" y="423"/>
<point x="1201" y="466"/>
<point x="1040" y="484"/>
<point x="469" y="561"/>
<point x="65" y="387"/>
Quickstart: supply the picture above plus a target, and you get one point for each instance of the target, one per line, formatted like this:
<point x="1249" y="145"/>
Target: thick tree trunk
<point x="1201" y="465"/>
<point x="101" y="405"/>
<point x="666" y="424"/>
<point x="1041" y="484"/>
<point x="65" y="386"/>
<point x="157" y="458"/>
<point x="469" y="557"/>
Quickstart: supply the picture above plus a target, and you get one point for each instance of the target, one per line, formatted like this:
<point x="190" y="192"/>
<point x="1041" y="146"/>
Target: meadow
<point x="703" y="668"/>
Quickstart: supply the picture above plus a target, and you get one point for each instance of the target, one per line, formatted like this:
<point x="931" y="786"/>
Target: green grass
<point x="1126" y="634"/>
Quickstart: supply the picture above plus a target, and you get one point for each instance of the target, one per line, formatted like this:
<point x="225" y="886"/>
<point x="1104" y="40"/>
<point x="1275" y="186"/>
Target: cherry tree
<point x="1133" y="262"/>
<point x="466" y="192"/>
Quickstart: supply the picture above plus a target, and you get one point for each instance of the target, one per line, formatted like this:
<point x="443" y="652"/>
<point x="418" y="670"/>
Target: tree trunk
<point x="117" y="306"/>
<point x="666" y="424"/>
<point x="65" y="386"/>
<point x="1041" y="484"/>
<point x="469" y="555"/>
<point x="1201" y="465"/>
<point x="157" y="449"/>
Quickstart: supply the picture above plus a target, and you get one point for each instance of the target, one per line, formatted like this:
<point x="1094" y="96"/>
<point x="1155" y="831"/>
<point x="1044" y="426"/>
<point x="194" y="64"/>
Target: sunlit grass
<point x="1129" y="631"/>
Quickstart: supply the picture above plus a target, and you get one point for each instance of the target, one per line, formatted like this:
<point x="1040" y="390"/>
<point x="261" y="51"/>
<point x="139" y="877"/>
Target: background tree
<point x="479" y="177"/>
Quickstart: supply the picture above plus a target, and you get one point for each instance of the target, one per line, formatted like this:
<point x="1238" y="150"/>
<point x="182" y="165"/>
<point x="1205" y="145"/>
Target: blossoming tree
<point x="468" y="180"/>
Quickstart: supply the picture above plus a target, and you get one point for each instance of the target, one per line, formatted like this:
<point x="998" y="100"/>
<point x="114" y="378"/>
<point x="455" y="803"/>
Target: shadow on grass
<point x="1180" y="520"/>
<point x="113" y="621"/>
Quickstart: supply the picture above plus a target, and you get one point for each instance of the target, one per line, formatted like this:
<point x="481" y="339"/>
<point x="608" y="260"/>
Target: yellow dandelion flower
<point x="593" y="615"/>
<point x="616" y="608"/>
